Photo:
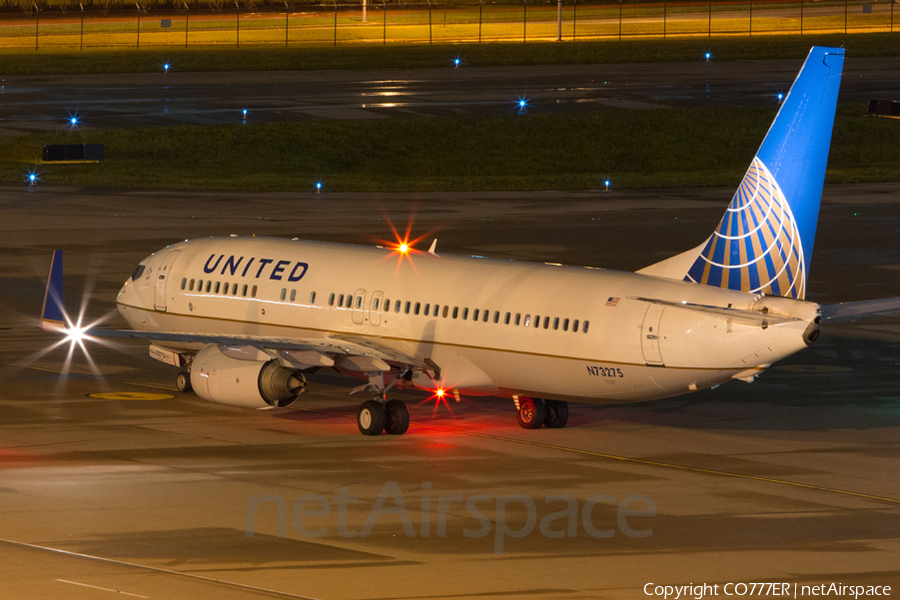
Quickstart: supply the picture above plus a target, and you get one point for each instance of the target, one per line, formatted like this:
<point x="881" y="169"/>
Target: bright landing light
<point x="75" y="335"/>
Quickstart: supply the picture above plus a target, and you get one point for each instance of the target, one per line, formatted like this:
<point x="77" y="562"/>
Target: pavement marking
<point x="111" y="561"/>
<point x="656" y="463"/>
<point x="641" y="461"/>
<point x="130" y="396"/>
<point x="94" y="375"/>
<point x="95" y="587"/>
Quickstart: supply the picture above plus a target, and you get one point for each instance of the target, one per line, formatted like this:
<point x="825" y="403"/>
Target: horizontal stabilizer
<point x="736" y="315"/>
<point x="866" y="309"/>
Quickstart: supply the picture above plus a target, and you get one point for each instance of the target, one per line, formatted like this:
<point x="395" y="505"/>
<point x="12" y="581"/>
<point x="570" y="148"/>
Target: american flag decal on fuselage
<point x="756" y="247"/>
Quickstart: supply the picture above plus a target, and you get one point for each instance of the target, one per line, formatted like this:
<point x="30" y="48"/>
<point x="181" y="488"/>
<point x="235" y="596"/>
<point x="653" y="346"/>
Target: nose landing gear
<point x="183" y="382"/>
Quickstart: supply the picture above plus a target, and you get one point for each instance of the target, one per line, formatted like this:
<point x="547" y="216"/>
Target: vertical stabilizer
<point x="764" y="242"/>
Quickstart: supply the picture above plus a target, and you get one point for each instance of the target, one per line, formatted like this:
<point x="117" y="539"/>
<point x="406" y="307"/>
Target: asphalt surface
<point x="790" y="479"/>
<point x="46" y="103"/>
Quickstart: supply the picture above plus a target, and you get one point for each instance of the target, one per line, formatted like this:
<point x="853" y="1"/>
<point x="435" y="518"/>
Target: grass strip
<point x="674" y="147"/>
<point x="272" y="58"/>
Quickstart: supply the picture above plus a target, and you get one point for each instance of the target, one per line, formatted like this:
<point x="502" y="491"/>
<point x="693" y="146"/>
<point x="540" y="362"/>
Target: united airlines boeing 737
<point x="244" y="319"/>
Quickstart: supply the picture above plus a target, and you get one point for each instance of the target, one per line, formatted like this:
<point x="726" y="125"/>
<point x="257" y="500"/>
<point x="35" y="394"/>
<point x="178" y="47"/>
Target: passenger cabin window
<point x="447" y="309"/>
<point x="584" y="328"/>
<point x="418" y="305"/>
<point x="396" y="306"/>
<point x="475" y="314"/>
<point x="555" y="323"/>
<point x="331" y="300"/>
<point x="575" y="325"/>
<point x="375" y="303"/>
<point x="234" y="289"/>
<point x="208" y="286"/>
<point x="428" y="309"/>
<point x="506" y="319"/>
<point x="565" y="324"/>
<point x="253" y="291"/>
<point x="218" y="286"/>
<point x="407" y="307"/>
<point x="191" y="286"/>
<point x="244" y="290"/>
<point x="546" y="322"/>
<point x="184" y="283"/>
<point x="283" y="293"/>
<point x="387" y="306"/>
<point x="341" y="301"/>
<point x="518" y="318"/>
<point x="527" y="320"/>
<point x="465" y="313"/>
<point x="359" y="302"/>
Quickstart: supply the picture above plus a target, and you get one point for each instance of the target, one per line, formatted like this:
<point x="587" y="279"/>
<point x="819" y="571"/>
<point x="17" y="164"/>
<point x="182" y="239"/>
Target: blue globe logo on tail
<point x="757" y="246"/>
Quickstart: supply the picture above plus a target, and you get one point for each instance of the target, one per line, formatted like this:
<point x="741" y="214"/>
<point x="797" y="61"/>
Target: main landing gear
<point x="534" y="412"/>
<point x="375" y="416"/>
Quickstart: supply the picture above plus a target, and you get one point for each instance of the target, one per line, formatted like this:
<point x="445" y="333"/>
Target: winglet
<point x="53" y="312"/>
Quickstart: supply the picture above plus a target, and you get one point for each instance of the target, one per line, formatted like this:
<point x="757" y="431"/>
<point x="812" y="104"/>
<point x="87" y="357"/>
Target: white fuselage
<point x="490" y="326"/>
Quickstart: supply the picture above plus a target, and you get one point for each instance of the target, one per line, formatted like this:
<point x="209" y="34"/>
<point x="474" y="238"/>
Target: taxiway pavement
<point x="46" y="103"/>
<point x="793" y="478"/>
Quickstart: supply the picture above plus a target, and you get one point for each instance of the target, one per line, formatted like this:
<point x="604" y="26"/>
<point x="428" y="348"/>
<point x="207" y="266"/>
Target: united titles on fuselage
<point x="279" y="269"/>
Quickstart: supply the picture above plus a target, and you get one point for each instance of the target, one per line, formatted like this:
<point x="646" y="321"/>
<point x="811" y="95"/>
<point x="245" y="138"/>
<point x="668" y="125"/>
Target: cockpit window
<point x="137" y="273"/>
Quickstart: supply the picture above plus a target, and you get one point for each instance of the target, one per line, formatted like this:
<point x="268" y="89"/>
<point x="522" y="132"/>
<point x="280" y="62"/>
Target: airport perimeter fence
<point x="378" y="22"/>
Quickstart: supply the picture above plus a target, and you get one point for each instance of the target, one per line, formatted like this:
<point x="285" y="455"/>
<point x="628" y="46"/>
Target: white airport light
<point x="457" y="61"/>
<point x="606" y="183"/>
<point x="32" y="177"/>
<point x="707" y="55"/>
<point x="166" y="67"/>
<point x="318" y="186"/>
<point x="779" y="96"/>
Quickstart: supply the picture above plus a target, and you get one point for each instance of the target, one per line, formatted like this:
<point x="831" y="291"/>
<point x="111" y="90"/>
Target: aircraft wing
<point x="866" y="309"/>
<point x="353" y="347"/>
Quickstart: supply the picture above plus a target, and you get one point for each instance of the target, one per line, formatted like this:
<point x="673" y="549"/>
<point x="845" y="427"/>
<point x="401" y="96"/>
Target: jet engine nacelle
<point x="245" y="383"/>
